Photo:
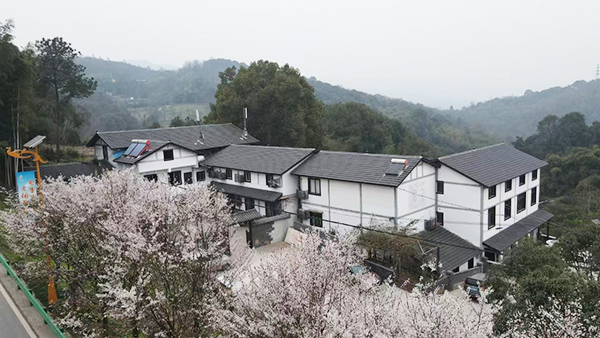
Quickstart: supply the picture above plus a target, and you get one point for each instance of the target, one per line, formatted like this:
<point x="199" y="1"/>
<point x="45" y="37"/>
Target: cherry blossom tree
<point x="129" y="256"/>
<point x="308" y="291"/>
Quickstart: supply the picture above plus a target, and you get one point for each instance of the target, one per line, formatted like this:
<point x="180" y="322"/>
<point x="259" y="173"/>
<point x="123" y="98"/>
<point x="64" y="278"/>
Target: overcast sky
<point x="438" y="53"/>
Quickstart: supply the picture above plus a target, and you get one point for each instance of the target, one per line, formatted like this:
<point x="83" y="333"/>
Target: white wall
<point x="503" y="196"/>
<point x="341" y="201"/>
<point x="416" y="197"/>
<point x="183" y="160"/>
<point x="99" y="154"/>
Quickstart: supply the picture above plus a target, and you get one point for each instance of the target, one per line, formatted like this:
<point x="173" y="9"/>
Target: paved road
<point x="12" y="323"/>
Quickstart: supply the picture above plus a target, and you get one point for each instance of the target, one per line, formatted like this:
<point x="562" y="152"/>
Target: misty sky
<point x="438" y="53"/>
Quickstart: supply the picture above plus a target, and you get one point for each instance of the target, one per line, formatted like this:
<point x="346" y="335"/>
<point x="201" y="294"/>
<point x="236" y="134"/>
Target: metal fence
<point x="32" y="300"/>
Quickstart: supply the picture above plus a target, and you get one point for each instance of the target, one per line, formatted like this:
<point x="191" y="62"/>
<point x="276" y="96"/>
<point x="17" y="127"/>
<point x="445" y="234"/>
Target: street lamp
<point x="28" y="153"/>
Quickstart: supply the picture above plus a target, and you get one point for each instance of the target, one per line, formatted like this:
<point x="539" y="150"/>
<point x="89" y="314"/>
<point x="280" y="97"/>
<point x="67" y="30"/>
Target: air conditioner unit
<point x="303" y="214"/>
<point x="302" y="194"/>
<point x="274" y="183"/>
<point x="239" y="178"/>
<point x="430" y="224"/>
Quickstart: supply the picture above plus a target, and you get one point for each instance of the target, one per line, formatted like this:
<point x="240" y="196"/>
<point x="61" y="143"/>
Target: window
<point x="491" y="192"/>
<point x="439" y="217"/>
<point x="249" y="203"/>
<point x="456" y="270"/>
<point x="490" y="256"/>
<point x="187" y="178"/>
<point x="521" y="202"/>
<point x="522" y="179"/>
<point x="269" y="178"/>
<point x="273" y="208"/>
<point x="491" y="217"/>
<point x="236" y="202"/>
<point x="175" y="177"/>
<point x="534" y="175"/>
<point x="105" y="152"/>
<point x="316" y="219"/>
<point x="200" y="176"/>
<point x="508" y="185"/>
<point x="228" y="174"/>
<point x="439" y="187"/>
<point x="314" y="186"/>
<point x="533" y="196"/>
<point x="151" y="177"/>
<point x="471" y="263"/>
<point x="248" y="176"/>
<point x="168" y="155"/>
<point x="507" y="209"/>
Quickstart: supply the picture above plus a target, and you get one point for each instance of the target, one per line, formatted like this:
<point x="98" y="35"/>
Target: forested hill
<point x="195" y="82"/>
<point x="508" y="117"/>
<point x="444" y="131"/>
<point x="132" y="97"/>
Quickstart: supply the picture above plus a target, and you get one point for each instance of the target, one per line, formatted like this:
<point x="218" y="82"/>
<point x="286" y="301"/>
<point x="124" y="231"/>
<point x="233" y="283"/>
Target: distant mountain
<point x="444" y="131"/>
<point x="508" y="117"/>
<point x="159" y="95"/>
<point x="151" y="65"/>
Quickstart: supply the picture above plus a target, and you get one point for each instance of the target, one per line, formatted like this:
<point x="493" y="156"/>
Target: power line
<point x="384" y="232"/>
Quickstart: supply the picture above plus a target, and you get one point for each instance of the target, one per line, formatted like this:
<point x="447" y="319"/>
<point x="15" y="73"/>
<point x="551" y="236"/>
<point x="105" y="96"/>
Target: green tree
<point x="282" y="106"/>
<point x="580" y="246"/>
<point x="355" y="127"/>
<point x="178" y="122"/>
<point x="531" y="278"/>
<point x="60" y="80"/>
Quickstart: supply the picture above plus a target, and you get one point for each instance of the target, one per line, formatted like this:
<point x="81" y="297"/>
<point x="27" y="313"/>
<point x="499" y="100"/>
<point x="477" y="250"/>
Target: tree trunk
<point x="57" y="113"/>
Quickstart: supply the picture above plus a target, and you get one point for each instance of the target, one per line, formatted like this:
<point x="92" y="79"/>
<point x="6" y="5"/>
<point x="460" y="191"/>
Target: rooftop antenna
<point x="245" y="133"/>
<point x="200" y="136"/>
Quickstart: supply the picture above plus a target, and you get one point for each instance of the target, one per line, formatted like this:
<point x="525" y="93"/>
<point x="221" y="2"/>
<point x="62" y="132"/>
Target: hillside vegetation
<point x="142" y="97"/>
<point x="508" y="117"/>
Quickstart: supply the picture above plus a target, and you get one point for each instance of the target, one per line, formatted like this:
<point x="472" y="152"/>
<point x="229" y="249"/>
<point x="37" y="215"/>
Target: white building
<point x="259" y="178"/>
<point x="203" y="140"/>
<point x="473" y="204"/>
<point x="366" y="189"/>
<point x="490" y="196"/>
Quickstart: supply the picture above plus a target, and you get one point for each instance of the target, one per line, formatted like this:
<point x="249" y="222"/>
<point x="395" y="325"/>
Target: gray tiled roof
<point x="515" y="232"/>
<point x="215" y="136"/>
<point x="270" y="219"/>
<point x="492" y="165"/>
<point x="355" y="167"/>
<point x="451" y="257"/>
<point x="246" y="215"/>
<point x="238" y="190"/>
<point x="268" y="160"/>
<point x="69" y="170"/>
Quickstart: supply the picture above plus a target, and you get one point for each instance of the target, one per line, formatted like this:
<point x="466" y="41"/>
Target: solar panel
<point x="138" y="149"/>
<point x="34" y="142"/>
<point x="394" y="169"/>
<point x="128" y="151"/>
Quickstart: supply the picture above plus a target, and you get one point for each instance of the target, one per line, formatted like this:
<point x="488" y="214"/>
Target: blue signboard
<point x="27" y="185"/>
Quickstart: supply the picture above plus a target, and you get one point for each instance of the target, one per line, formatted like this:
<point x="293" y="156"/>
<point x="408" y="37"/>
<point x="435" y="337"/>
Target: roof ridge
<point x="368" y="154"/>
<point x="472" y="150"/>
<point x="163" y="128"/>
<point x="270" y="147"/>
